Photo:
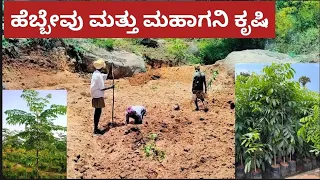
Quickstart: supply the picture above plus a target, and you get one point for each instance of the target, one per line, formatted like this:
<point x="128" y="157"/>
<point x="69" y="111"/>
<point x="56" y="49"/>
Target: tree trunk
<point x="39" y="120"/>
<point x="37" y="164"/>
<point x="290" y="157"/>
<point x="241" y="161"/>
<point x="254" y="163"/>
<point x="284" y="159"/>
<point x="275" y="159"/>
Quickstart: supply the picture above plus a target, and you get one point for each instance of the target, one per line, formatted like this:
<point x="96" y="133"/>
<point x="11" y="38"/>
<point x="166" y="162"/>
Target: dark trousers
<point x="137" y="119"/>
<point x="97" y="114"/>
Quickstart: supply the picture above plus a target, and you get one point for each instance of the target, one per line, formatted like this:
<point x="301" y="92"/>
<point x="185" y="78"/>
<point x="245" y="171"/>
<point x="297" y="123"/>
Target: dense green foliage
<point x="19" y="160"/>
<point x="270" y="106"/>
<point x="297" y="27"/>
<point x="36" y="151"/>
<point x="104" y="43"/>
<point x="297" y="32"/>
<point x="310" y="130"/>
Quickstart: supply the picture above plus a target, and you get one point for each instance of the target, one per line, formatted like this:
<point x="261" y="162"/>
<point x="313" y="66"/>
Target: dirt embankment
<point x="196" y="144"/>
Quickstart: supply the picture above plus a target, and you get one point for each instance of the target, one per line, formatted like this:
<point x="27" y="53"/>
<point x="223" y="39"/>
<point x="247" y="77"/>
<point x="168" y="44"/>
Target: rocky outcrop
<point x="255" y="56"/>
<point x="125" y="64"/>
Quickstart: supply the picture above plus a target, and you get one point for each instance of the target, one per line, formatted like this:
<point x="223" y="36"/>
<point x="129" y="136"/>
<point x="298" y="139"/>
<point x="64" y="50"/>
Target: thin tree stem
<point x="37" y="163"/>
<point x="290" y="157"/>
<point x="254" y="163"/>
<point x="39" y="121"/>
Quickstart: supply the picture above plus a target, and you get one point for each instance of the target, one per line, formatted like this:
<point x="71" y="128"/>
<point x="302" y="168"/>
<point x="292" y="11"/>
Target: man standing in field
<point x="97" y="92"/>
<point x="199" y="80"/>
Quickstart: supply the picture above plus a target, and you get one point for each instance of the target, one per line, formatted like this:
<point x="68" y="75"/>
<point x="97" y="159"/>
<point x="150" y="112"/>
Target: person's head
<point x="197" y="68"/>
<point x="129" y="109"/>
<point x="99" y="64"/>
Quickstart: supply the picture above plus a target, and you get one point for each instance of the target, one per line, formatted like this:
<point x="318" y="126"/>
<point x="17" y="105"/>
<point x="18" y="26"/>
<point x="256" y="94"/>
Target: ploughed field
<point x="195" y="144"/>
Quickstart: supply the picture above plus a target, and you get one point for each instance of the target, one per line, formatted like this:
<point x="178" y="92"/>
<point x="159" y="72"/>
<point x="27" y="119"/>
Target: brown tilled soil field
<point x="196" y="144"/>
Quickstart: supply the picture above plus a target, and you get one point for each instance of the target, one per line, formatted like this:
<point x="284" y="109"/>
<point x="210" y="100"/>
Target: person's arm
<point x="102" y="86"/>
<point x="143" y="113"/>
<point x="205" y="83"/>
<point x="192" y="89"/>
<point x="105" y="76"/>
<point x="127" y="118"/>
<point x="111" y="87"/>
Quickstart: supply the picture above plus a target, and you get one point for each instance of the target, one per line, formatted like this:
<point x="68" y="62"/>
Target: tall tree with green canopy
<point x="39" y="127"/>
<point x="304" y="80"/>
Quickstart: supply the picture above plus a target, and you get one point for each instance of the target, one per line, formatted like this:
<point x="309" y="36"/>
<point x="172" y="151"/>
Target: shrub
<point x="273" y="104"/>
<point x="5" y="42"/>
<point x="212" y="50"/>
<point x="178" y="48"/>
<point x="151" y="150"/>
<point x="104" y="43"/>
<point x="305" y="42"/>
<point x="297" y="27"/>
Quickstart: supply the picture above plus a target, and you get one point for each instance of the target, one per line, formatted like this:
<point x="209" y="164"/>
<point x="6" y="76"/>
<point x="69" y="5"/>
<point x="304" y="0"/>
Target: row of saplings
<point x="281" y="167"/>
<point x="277" y="124"/>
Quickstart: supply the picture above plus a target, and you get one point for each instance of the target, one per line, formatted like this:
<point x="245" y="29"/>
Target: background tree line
<point x="297" y="24"/>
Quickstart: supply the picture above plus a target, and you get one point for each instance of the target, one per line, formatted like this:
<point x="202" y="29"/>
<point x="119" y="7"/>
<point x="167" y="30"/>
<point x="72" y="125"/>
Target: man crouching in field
<point x="135" y="112"/>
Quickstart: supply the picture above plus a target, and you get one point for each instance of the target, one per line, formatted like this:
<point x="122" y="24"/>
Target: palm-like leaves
<point x="304" y="80"/>
<point x="20" y="117"/>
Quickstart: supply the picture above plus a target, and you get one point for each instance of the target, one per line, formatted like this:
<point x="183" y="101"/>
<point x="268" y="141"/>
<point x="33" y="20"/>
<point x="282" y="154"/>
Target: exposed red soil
<point x="196" y="144"/>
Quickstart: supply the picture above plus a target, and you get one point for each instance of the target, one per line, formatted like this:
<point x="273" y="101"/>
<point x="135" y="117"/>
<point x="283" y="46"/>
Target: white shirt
<point x="139" y="110"/>
<point x="97" y="84"/>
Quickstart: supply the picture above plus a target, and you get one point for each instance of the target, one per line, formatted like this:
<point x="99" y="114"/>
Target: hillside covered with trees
<point x="297" y="33"/>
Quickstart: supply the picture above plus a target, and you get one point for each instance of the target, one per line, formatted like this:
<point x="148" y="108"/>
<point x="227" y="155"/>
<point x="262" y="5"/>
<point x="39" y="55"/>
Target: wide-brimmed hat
<point x="99" y="64"/>
<point x="197" y="67"/>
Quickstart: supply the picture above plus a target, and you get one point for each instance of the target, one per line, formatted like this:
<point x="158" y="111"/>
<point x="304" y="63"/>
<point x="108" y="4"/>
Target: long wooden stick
<point x="112" y="94"/>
